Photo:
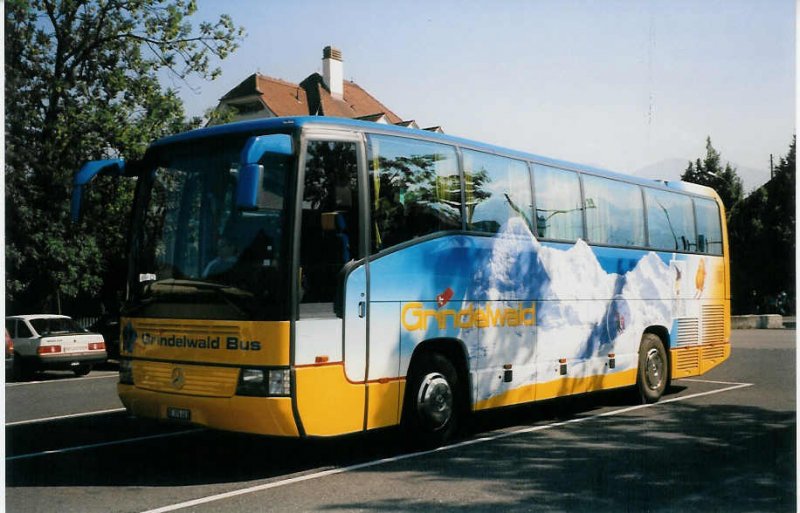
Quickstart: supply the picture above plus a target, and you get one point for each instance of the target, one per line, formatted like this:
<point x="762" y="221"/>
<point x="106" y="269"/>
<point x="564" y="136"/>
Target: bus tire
<point x="434" y="404"/>
<point x="653" y="372"/>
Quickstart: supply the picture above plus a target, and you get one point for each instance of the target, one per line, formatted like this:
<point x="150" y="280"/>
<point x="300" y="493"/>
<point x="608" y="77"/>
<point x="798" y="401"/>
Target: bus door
<point x="330" y="344"/>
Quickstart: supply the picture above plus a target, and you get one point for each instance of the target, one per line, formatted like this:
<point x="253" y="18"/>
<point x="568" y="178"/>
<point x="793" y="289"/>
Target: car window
<point x="47" y="326"/>
<point x="23" y="331"/>
<point x="11" y="327"/>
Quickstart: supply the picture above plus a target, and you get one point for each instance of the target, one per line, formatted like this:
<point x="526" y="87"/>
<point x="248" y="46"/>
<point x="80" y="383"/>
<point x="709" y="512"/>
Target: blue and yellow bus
<point x="318" y="276"/>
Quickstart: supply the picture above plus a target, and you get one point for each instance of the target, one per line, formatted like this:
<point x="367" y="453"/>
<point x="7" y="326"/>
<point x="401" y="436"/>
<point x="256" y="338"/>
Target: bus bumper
<point x="257" y="415"/>
<point x="697" y="360"/>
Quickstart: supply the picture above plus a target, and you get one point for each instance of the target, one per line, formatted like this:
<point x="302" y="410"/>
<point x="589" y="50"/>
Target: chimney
<point x="332" y="72"/>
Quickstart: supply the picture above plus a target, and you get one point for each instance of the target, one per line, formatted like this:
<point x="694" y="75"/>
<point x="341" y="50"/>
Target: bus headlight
<point x="279" y="382"/>
<point x="264" y="382"/>
<point x="125" y="372"/>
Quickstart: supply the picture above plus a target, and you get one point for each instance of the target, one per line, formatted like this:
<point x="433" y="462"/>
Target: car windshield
<point x="55" y="325"/>
<point x="195" y="254"/>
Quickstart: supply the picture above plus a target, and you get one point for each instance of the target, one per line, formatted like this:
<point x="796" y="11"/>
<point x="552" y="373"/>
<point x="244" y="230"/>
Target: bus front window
<point x="195" y="254"/>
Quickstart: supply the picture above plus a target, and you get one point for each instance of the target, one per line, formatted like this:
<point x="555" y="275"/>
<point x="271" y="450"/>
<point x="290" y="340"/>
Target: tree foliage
<point x="709" y="172"/>
<point x="82" y="82"/>
<point x="762" y="239"/>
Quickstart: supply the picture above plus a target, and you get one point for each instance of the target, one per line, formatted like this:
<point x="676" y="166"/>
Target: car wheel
<point x="653" y="374"/>
<point x="22" y="370"/>
<point x="434" y="401"/>
<point x="82" y="370"/>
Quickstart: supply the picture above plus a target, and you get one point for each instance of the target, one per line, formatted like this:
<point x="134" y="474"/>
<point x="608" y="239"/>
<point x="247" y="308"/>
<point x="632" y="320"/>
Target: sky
<point x="616" y="84"/>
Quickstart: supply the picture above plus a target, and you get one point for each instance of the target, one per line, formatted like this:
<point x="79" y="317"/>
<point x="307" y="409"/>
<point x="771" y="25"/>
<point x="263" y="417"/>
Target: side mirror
<point x="251" y="173"/>
<point x="108" y="167"/>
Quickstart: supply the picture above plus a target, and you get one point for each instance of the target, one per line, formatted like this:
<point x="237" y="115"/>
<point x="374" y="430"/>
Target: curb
<point x="755" y="322"/>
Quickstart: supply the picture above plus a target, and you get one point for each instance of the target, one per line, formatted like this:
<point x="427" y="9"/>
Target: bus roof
<point x="296" y="123"/>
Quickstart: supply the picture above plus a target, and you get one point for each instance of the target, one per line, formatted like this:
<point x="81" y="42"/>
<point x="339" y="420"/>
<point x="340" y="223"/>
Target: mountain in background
<point x="672" y="169"/>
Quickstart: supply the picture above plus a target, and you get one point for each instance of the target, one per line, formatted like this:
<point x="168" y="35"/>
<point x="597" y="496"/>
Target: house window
<point x="247" y="107"/>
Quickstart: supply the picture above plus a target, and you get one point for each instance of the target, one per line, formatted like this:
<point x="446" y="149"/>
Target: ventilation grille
<point x="688" y="331"/>
<point x="713" y="324"/>
<point x="687" y="360"/>
<point x="188" y="380"/>
<point x="713" y="352"/>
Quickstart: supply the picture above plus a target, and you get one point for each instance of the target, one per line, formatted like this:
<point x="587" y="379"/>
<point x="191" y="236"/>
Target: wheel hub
<point x="435" y="401"/>
<point x="654" y="369"/>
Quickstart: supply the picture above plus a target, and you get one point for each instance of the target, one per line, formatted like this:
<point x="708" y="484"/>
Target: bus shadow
<point x="56" y="375"/>
<point x="688" y="457"/>
<point x="685" y="457"/>
<point x="115" y="450"/>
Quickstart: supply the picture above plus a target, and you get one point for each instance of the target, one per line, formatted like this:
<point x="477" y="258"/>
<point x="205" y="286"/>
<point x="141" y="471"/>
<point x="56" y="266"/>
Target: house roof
<point x="310" y="97"/>
<point x="362" y="103"/>
<point x="375" y="118"/>
<point x="281" y="97"/>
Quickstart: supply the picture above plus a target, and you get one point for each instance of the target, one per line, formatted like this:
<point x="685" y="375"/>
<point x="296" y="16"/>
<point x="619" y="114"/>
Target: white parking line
<point x="105" y="376"/>
<point x="330" y="472"/>
<point x="693" y="380"/>
<point x="101" y="444"/>
<point x="60" y="417"/>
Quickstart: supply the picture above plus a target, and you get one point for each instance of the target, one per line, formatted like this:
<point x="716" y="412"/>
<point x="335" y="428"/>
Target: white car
<point x="53" y="342"/>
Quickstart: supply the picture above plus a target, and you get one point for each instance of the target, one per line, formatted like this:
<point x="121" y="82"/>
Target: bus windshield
<point x="192" y="247"/>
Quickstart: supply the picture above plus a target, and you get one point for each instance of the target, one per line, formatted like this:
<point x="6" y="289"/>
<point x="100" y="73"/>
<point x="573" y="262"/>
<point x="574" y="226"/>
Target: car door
<point x="25" y="339"/>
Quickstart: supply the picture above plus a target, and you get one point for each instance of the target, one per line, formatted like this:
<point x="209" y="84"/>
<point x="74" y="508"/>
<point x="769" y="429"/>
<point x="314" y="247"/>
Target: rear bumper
<point x="69" y="360"/>
<point x="257" y="415"/>
<point x="696" y="360"/>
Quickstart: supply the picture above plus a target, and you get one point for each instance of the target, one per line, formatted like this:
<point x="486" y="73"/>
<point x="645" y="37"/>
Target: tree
<point x="709" y="172"/>
<point x="82" y="83"/>
<point x="762" y="239"/>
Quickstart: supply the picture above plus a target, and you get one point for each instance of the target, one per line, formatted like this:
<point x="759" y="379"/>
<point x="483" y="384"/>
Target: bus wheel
<point x="434" y="401"/>
<point x="653" y="374"/>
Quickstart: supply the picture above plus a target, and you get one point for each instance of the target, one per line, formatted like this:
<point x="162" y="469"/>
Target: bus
<point x="314" y="277"/>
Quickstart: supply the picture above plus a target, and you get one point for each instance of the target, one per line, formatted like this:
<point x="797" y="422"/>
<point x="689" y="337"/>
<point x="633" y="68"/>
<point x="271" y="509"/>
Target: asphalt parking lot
<point x="725" y="441"/>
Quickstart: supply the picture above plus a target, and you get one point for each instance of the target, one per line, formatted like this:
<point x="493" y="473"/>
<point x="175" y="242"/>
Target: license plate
<point x="181" y="414"/>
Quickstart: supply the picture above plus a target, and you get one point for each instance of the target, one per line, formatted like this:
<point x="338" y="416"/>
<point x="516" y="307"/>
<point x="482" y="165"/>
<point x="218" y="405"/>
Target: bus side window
<point x="559" y="214"/>
<point x="329" y="225"/>
<point x="614" y="212"/>
<point x="415" y="189"/>
<point x="709" y="230"/>
<point x="670" y="220"/>
<point x="497" y="189"/>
